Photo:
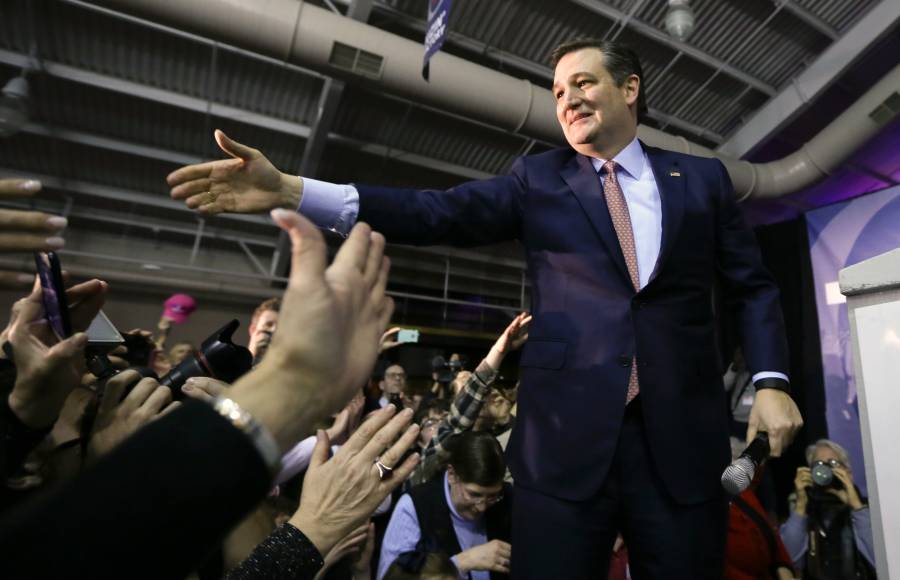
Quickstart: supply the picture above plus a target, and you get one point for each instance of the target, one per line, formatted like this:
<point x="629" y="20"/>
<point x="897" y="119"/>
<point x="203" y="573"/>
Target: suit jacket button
<point x="625" y="360"/>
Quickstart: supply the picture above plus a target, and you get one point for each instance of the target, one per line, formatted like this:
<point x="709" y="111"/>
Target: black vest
<point x="436" y="523"/>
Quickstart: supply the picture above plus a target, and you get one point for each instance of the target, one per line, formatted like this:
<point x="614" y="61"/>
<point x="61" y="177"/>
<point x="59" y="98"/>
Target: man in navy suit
<point x="621" y="424"/>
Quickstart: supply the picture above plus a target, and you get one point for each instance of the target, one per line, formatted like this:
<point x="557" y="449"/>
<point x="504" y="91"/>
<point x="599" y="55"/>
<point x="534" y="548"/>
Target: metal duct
<point x="309" y="36"/>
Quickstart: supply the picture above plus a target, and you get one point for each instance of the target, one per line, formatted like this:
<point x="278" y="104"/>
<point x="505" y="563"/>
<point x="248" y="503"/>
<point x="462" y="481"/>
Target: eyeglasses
<point x="477" y="498"/>
<point x="429" y="423"/>
<point x="396" y="376"/>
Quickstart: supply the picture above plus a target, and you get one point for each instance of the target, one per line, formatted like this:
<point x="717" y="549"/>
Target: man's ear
<point x="631" y="89"/>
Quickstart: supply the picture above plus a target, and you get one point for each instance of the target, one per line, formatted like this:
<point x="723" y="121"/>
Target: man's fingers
<point x="189" y="188"/>
<point x="208" y="385"/>
<point x="171" y="407"/>
<point x="400" y="474"/>
<point x="392" y="456"/>
<point x="374" y="261"/>
<point x="22" y="242"/>
<point x="138" y="395"/>
<point x="10" y="188"/>
<point x="15" y="280"/>
<point x="159" y="398"/>
<point x="115" y="386"/>
<point x="354" y="252"/>
<point x="320" y="451"/>
<point x="233" y="148"/>
<point x="386" y="436"/>
<point x="34" y="221"/>
<point x="386" y="311"/>
<point x="308" y="249"/>
<point x="189" y="173"/>
<point x="68" y="348"/>
<point x="368" y="429"/>
<point x="85" y="310"/>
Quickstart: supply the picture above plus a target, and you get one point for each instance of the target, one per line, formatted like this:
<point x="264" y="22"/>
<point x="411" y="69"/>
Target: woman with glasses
<point x="465" y="513"/>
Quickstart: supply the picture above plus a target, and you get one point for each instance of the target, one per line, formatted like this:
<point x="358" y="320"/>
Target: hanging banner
<point x="438" y="17"/>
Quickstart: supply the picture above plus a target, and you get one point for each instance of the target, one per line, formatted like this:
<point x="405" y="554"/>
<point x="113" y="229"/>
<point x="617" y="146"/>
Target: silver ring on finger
<point x="384" y="472"/>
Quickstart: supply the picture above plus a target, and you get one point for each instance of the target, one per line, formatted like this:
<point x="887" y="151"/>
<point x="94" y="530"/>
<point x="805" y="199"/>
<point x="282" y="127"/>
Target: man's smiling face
<point x="593" y="111"/>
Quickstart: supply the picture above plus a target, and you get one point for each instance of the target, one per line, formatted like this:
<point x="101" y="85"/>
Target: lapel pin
<point x="674" y="174"/>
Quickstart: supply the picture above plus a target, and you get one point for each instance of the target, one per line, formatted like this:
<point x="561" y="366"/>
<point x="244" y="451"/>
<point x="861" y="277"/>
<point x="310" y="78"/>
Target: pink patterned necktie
<point x="618" y="211"/>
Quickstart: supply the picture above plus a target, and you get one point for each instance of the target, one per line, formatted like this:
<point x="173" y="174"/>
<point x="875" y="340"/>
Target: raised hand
<point x="245" y="183"/>
<point x="27" y="231"/>
<point x="341" y="493"/>
<point x="513" y="337"/>
<point x="118" y="418"/>
<point x="335" y="316"/>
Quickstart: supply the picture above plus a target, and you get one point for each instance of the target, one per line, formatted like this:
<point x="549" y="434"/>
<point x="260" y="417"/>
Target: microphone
<point x="737" y="476"/>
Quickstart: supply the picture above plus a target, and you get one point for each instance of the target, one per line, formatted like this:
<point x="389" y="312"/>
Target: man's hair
<point x="619" y="59"/>
<point x="270" y="304"/>
<point x="477" y="458"/>
<point x="842" y="454"/>
<point x="441" y="406"/>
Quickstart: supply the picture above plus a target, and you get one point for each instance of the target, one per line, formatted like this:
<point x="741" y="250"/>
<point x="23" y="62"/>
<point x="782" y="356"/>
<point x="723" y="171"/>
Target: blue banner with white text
<point x="438" y="18"/>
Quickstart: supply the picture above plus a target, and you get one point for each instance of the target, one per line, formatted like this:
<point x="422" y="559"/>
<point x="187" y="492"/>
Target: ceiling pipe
<point x="299" y="33"/>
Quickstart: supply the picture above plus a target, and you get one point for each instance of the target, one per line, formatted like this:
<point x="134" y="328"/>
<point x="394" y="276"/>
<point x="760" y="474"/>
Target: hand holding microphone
<point x="737" y="477"/>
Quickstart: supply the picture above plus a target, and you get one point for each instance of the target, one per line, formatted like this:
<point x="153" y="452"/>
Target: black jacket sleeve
<point x="286" y="554"/>
<point x="153" y="508"/>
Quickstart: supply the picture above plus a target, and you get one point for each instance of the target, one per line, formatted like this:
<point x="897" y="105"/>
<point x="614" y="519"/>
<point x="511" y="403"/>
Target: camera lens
<point x="822" y="474"/>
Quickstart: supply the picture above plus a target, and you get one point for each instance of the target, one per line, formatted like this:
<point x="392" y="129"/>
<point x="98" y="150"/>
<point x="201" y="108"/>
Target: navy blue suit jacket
<point x="589" y="321"/>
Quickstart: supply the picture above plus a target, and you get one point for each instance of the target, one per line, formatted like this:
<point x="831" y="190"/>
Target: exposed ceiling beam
<point x="817" y="77"/>
<point x="201" y="106"/>
<point x="662" y="37"/>
<point x="528" y="66"/>
<point x="810" y="18"/>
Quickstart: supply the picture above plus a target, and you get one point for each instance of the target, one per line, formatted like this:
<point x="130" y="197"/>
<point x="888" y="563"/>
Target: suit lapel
<point x="579" y="174"/>
<point x="670" y="180"/>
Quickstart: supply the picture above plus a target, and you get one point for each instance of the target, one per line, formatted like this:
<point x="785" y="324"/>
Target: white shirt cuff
<point x="769" y="374"/>
<point x="330" y="206"/>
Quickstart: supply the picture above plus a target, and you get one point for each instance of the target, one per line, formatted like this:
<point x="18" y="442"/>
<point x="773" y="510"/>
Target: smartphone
<point x="101" y="333"/>
<point x="406" y="335"/>
<point x="53" y="293"/>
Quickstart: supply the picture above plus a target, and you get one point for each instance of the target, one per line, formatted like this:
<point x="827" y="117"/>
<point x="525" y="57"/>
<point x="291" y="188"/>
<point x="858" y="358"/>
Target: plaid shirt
<point x="463" y="412"/>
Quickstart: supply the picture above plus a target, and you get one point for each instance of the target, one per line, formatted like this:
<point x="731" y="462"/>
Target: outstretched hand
<point x="27" y="231"/>
<point x="245" y="183"/>
<point x="340" y="493"/>
<point x="513" y="337"/>
<point x="336" y="314"/>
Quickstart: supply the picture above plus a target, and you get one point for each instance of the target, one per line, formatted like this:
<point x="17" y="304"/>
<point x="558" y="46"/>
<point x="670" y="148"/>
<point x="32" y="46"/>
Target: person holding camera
<point x="829" y="532"/>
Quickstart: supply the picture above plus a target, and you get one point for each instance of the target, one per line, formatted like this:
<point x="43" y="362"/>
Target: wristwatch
<point x="258" y="434"/>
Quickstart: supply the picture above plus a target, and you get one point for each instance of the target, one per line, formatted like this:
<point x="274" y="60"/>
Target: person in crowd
<point x="393" y="386"/>
<point x="174" y="487"/>
<point x="180" y="351"/>
<point x="829" y="532"/>
<point x="263" y="325"/>
<point x="428" y="417"/>
<point x="468" y="405"/>
<point x="754" y="549"/>
<point x="624" y="243"/>
<point x="465" y="513"/>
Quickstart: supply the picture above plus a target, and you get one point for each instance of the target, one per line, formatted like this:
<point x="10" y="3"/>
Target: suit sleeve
<point x="470" y="214"/>
<point x="750" y="291"/>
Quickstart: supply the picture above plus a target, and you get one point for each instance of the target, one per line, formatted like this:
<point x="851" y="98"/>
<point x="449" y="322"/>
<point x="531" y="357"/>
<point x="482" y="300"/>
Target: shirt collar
<point x="630" y="159"/>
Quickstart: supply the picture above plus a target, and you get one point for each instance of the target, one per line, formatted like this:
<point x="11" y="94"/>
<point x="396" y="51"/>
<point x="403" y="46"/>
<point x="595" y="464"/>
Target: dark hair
<point x="432" y="565"/>
<point x="619" y="59"/>
<point x="270" y="304"/>
<point x="477" y="458"/>
<point x="429" y="405"/>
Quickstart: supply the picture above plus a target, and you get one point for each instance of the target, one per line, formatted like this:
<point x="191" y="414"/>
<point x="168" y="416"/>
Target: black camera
<point x="218" y="357"/>
<point x="822" y="473"/>
<point x="445" y="370"/>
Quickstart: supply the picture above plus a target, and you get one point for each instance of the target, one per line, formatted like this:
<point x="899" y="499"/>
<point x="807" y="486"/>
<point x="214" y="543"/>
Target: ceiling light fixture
<point x="680" y="19"/>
